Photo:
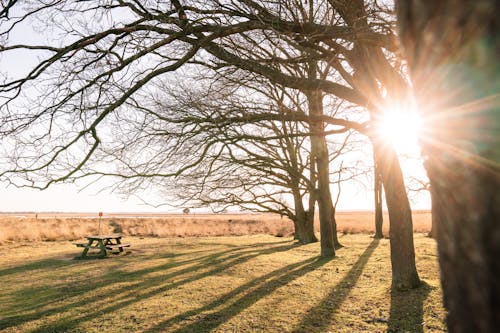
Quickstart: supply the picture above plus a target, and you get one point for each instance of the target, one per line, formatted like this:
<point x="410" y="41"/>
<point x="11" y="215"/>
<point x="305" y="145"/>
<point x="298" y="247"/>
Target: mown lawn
<point x="220" y="284"/>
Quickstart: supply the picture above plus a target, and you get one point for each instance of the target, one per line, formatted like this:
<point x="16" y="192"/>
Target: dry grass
<point x="216" y="284"/>
<point x="363" y="222"/>
<point x="66" y="227"/>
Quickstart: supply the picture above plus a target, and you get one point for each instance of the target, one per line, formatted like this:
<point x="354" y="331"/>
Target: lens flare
<point x="401" y="129"/>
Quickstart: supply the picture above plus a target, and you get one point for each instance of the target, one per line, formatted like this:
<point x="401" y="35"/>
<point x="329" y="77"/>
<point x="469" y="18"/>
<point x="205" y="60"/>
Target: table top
<point x="117" y="236"/>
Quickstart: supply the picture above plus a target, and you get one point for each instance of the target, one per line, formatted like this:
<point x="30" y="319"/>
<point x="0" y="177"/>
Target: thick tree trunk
<point x="304" y="226"/>
<point x="324" y="205"/>
<point x="311" y="210"/>
<point x="455" y="45"/>
<point x="467" y="204"/>
<point x="432" y="233"/>
<point x="404" y="271"/>
<point x="372" y="70"/>
<point x="320" y="152"/>
<point x="296" y="231"/>
<point x="379" y="219"/>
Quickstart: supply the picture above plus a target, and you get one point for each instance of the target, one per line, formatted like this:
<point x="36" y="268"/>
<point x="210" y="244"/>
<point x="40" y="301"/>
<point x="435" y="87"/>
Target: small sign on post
<point x="99" y="228"/>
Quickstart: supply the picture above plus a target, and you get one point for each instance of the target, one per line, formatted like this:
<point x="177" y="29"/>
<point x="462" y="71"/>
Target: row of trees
<point x="227" y="99"/>
<point x="111" y="70"/>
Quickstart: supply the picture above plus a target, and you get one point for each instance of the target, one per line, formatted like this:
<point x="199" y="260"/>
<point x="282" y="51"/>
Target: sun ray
<point x="401" y="129"/>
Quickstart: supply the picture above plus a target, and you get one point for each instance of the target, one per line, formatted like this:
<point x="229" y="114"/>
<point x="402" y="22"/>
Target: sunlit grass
<point x="14" y="229"/>
<point x="222" y="284"/>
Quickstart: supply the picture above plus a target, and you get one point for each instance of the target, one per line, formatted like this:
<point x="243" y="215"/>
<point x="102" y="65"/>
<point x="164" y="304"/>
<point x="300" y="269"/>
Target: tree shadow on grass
<point x="49" y="263"/>
<point x="239" y="299"/>
<point x="143" y="287"/>
<point x="407" y="309"/>
<point x="319" y="317"/>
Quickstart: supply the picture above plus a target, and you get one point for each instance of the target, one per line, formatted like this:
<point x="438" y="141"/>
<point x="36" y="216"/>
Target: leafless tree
<point x="259" y="164"/>
<point x="95" y="74"/>
<point x="263" y="166"/>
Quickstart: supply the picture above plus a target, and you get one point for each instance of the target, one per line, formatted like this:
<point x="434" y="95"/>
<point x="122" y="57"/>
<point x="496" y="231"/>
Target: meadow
<point x="58" y="226"/>
<point x="249" y="283"/>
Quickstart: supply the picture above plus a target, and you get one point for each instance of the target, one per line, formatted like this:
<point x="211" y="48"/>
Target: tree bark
<point x="432" y="233"/>
<point x="311" y="210"/>
<point x="296" y="231"/>
<point x="372" y="69"/>
<point x="404" y="271"/>
<point x="319" y="152"/>
<point x="336" y="241"/>
<point x="304" y="229"/>
<point x="455" y="45"/>
<point x="379" y="219"/>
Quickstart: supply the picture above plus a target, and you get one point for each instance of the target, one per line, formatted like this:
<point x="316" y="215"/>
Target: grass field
<point x="52" y="227"/>
<point x="256" y="283"/>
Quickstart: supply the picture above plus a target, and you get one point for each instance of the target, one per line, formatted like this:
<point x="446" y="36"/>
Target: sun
<point x="400" y="128"/>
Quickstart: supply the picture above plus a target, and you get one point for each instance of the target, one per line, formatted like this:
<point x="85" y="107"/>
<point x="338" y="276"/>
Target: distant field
<point x="52" y="227"/>
<point x="256" y="283"/>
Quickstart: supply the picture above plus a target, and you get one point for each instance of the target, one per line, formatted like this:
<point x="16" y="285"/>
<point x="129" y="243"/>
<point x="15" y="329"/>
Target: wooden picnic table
<point x="104" y="243"/>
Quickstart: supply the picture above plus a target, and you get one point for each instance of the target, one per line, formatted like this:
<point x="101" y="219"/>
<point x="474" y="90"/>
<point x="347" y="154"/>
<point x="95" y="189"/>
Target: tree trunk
<point x="296" y="231"/>
<point x="467" y="205"/>
<point x="312" y="191"/>
<point x="459" y="54"/>
<point x="379" y="219"/>
<point x="372" y="70"/>
<point x="319" y="151"/>
<point x="404" y="271"/>
<point x="304" y="226"/>
<point x="336" y="241"/>
<point x="432" y="233"/>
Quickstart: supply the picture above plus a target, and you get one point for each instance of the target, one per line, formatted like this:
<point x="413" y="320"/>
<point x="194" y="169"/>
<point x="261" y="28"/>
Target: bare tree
<point x="93" y="76"/>
<point x="261" y="164"/>
<point x="454" y="45"/>
<point x="263" y="167"/>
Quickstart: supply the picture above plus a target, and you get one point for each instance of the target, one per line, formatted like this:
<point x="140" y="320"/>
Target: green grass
<point x="221" y="284"/>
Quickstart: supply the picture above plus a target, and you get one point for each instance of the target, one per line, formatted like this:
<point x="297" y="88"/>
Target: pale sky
<point x="68" y="198"/>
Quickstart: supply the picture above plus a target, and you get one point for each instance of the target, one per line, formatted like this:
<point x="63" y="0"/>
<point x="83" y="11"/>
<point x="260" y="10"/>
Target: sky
<point x="67" y="198"/>
<point x="70" y="198"/>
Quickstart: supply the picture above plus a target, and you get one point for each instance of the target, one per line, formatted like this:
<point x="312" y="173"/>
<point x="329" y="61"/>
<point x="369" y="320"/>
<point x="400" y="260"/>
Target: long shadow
<point x="212" y="258"/>
<point x="274" y="280"/>
<point x="407" y="309"/>
<point x="51" y="263"/>
<point x="244" y="246"/>
<point x="136" y="292"/>
<point x="56" y="263"/>
<point x="112" y="274"/>
<point x="319" y="317"/>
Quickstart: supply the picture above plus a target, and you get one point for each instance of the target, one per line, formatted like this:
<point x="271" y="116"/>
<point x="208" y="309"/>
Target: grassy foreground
<point x="254" y="283"/>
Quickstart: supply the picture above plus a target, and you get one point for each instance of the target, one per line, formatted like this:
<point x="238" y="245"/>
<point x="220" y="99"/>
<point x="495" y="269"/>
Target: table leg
<point x="103" y="248"/>
<point x="86" y="249"/>
<point x="118" y="241"/>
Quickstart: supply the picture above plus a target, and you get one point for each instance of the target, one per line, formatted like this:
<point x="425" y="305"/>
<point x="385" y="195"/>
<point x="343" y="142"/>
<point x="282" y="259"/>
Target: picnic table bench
<point x="104" y="243"/>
